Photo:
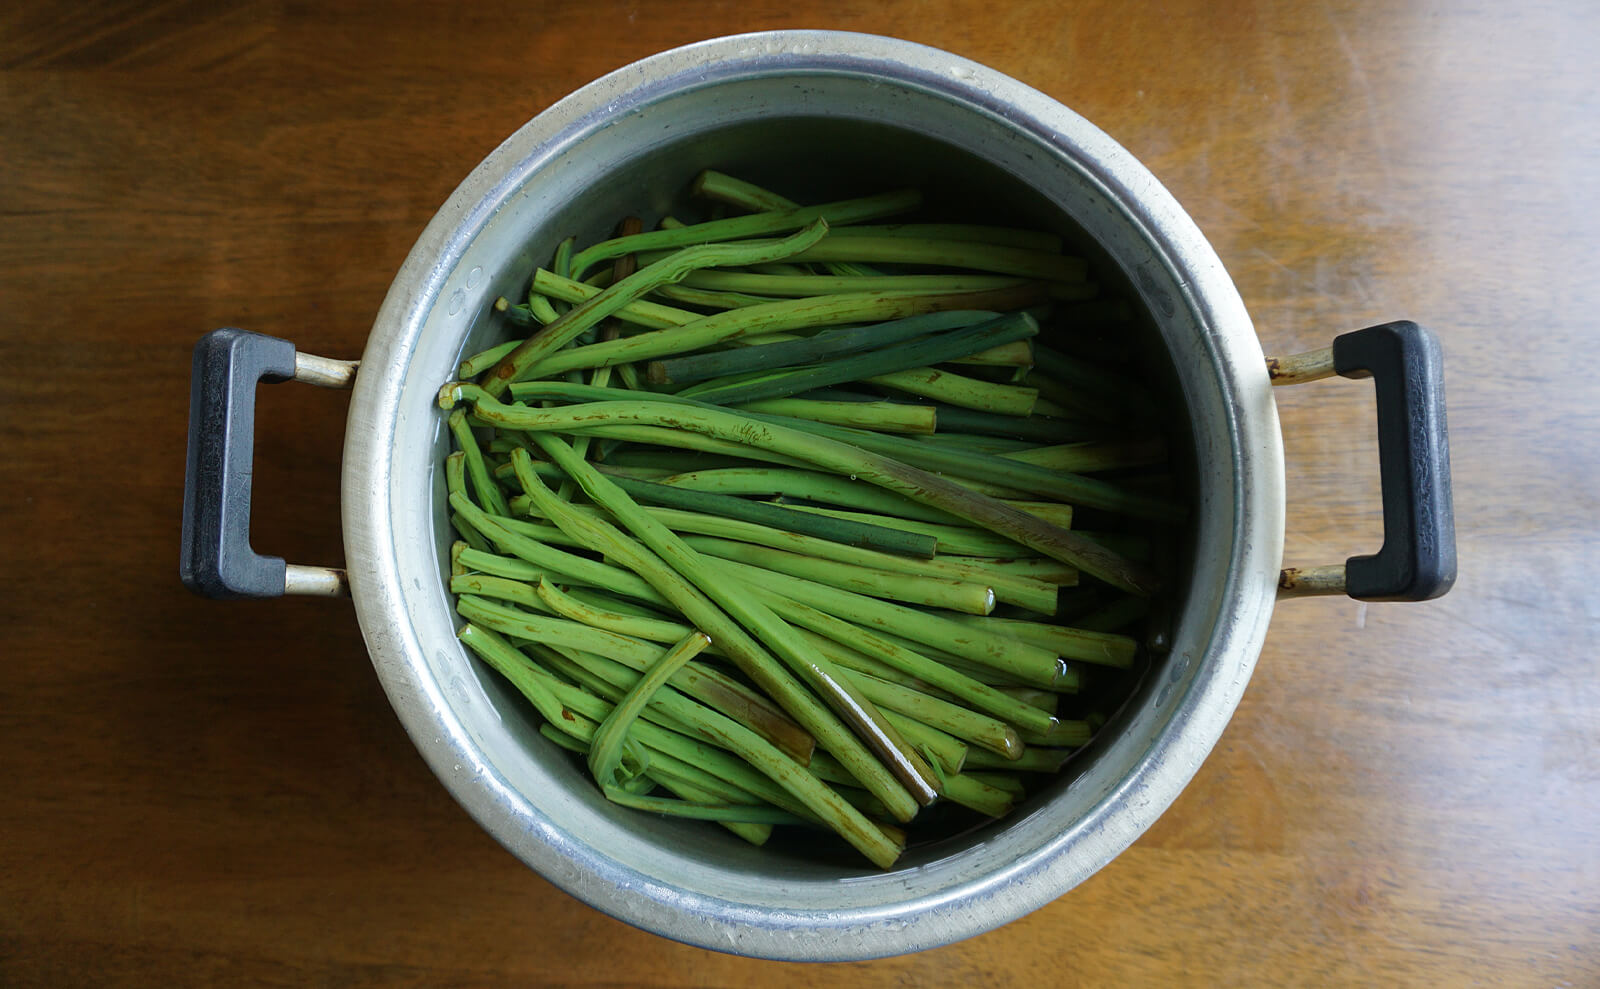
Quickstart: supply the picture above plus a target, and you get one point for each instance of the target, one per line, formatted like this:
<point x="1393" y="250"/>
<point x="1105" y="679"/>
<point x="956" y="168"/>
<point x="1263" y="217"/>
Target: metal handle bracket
<point x="217" y="559"/>
<point x="1418" y="558"/>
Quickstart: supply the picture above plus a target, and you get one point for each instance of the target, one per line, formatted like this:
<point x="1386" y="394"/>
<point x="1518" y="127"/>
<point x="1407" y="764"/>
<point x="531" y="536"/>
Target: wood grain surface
<point x="205" y="793"/>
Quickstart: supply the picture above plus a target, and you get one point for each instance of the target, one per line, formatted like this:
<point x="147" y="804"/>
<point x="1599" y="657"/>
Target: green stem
<point x="533" y="351"/>
<point x="805" y="286"/>
<point x="977" y="796"/>
<point x="992" y="397"/>
<point x="846" y="532"/>
<point x="1034" y="759"/>
<point x="970" y="255"/>
<point x="598" y="683"/>
<point x="650" y="315"/>
<point x="742" y="813"/>
<point x="545" y="559"/>
<point x="951" y="539"/>
<point x="483" y="484"/>
<point x="991" y="733"/>
<point x="605" y="749"/>
<point x="839" y="457"/>
<point x="863" y="718"/>
<point x="808" y="484"/>
<point x="775" y="317"/>
<point x="847" y="638"/>
<point x="1087" y="458"/>
<point x="825" y="345"/>
<point x="899" y="357"/>
<point x="940" y="748"/>
<point x="1032" y="664"/>
<point x="1028" y="240"/>
<point x="835" y="214"/>
<point x="693" y="600"/>
<point x="885" y="417"/>
<point x="1025" y="592"/>
<point x="707" y="299"/>
<point x="931" y="592"/>
<point x="723" y="188"/>
<point x="1100" y="648"/>
<point x="704" y="683"/>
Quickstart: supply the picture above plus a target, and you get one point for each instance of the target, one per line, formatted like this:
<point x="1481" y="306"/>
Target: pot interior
<point x="815" y="136"/>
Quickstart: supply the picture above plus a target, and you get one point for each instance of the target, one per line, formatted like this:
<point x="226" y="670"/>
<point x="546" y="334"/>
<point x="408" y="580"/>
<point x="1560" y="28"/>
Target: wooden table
<point x="203" y="793"/>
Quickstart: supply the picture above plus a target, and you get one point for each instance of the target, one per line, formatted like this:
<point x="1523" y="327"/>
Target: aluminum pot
<point x="791" y="108"/>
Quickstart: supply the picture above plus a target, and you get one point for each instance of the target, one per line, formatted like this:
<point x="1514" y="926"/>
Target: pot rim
<point x="1198" y="717"/>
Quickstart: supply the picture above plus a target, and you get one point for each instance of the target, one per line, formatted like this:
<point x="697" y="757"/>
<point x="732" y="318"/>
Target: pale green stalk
<point x="1100" y="648"/>
<point x="650" y="315"/>
<point x="929" y="592"/>
<point x="754" y="225"/>
<point x="543" y="559"/>
<point x="886" y="417"/>
<point x="605" y="748"/>
<point x="751" y="657"/>
<point x="880" y="777"/>
<point x="960" y="391"/>
<point x="1030" y="663"/>
<point x="1034" y="759"/>
<point x="489" y="493"/>
<point x="806" y="286"/>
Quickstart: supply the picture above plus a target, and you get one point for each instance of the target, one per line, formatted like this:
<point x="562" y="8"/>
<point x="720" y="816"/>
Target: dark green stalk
<point x="1059" y="485"/>
<point x="823" y="346"/>
<point x="1034" y="759"/>
<point x="1028" y="240"/>
<point x="848" y="533"/>
<point x="991" y="397"/>
<point x="1115" y="616"/>
<point x="1080" y="377"/>
<point x="900" y="357"/>
<point x="1088" y="458"/>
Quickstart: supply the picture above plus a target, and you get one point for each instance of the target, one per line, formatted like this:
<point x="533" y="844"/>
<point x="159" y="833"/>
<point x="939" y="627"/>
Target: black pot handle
<point x="217" y="560"/>
<point x="1418" y="558"/>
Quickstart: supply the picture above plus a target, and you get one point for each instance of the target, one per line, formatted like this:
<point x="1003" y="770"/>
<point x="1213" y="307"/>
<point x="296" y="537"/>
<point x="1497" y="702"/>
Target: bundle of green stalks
<point x="772" y="517"/>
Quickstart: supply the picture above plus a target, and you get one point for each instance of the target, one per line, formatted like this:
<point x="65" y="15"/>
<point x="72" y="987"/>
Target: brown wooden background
<point x="200" y="793"/>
